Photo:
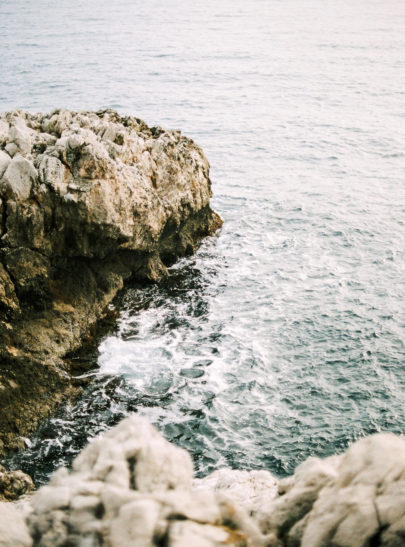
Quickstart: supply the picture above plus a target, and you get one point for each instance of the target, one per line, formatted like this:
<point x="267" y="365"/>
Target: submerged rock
<point x="131" y="487"/>
<point x="87" y="201"/>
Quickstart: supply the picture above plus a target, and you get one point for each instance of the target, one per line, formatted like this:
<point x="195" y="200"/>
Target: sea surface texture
<point x="284" y="336"/>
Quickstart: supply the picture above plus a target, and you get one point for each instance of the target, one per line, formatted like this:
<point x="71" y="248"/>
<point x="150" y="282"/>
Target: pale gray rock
<point x="130" y="487"/>
<point x="356" y="499"/>
<point x="11" y="148"/>
<point x="252" y="490"/>
<point x="19" y="135"/>
<point x="4" y="162"/>
<point x="97" y="198"/>
<point x="52" y="172"/>
<point x="352" y="500"/>
<point x="4" y="129"/>
<point x="187" y="534"/>
<point x="13" y="529"/>
<point x="18" y="178"/>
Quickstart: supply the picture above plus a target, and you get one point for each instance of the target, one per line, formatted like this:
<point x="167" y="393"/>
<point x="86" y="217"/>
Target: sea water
<point x="283" y="337"/>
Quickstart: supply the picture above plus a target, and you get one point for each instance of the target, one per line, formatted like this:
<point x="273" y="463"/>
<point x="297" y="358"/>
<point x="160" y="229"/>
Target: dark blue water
<point x="284" y="336"/>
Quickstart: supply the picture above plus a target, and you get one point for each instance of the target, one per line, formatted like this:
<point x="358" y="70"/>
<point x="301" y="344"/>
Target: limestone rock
<point x="252" y="490"/>
<point x="13" y="530"/>
<point x="132" y="487"/>
<point x="9" y="304"/>
<point x="346" y="501"/>
<point x="126" y="489"/>
<point x="185" y="534"/>
<point x="87" y="201"/>
<point x="4" y="129"/>
<point x="18" y="178"/>
<point x="19" y="135"/>
<point x="4" y="162"/>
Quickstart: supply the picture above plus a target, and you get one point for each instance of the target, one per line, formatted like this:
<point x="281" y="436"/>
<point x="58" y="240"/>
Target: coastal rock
<point x="88" y="200"/>
<point x="19" y="134"/>
<point x="18" y="179"/>
<point x="4" y="162"/>
<point x="13" y="529"/>
<point x="14" y="484"/>
<point x="252" y="490"/>
<point x="132" y="487"/>
<point x="357" y="499"/>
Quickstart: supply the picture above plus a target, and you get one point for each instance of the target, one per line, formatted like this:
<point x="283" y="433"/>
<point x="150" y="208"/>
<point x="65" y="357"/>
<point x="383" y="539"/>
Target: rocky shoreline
<point x="133" y="488"/>
<point x="88" y="200"/>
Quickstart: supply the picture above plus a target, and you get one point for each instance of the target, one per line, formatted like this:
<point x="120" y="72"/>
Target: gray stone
<point x="53" y="173"/>
<point x="17" y="180"/>
<point x="13" y="530"/>
<point x="4" y="162"/>
<point x="143" y="486"/>
<point x="4" y="128"/>
<point x="19" y="135"/>
<point x="187" y="534"/>
<point x="11" y="148"/>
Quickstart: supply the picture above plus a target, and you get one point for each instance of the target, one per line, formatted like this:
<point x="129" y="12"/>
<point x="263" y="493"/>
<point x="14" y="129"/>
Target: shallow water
<point x="284" y="336"/>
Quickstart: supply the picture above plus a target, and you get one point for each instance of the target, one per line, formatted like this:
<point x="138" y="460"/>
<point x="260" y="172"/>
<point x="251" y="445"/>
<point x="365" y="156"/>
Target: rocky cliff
<point x="87" y="201"/>
<point x="133" y="488"/>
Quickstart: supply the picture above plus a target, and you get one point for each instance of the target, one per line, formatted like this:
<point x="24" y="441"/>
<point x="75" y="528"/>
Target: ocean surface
<point x="284" y="336"/>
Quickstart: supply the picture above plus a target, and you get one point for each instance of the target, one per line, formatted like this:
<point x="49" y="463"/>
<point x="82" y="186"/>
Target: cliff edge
<point x="87" y="201"/>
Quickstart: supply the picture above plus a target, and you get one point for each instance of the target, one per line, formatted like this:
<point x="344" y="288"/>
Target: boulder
<point x="19" y="134"/>
<point x="357" y="499"/>
<point x="4" y="162"/>
<point x="17" y="180"/>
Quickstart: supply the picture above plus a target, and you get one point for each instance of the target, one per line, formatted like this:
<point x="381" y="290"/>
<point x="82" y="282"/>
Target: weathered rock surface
<point x="87" y="201"/>
<point x="131" y="487"/>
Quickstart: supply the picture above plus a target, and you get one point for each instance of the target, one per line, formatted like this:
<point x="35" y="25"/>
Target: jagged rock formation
<point x="87" y="200"/>
<point x="131" y="487"/>
<point x="357" y="499"/>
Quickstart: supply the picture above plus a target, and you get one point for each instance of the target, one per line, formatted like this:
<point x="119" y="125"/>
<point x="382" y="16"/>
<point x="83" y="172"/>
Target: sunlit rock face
<point x="87" y="200"/>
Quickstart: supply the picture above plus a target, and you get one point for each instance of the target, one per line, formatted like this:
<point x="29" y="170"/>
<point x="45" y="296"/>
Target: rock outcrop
<point x="87" y="201"/>
<point x="357" y="499"/>
<point x="133" y="488"/>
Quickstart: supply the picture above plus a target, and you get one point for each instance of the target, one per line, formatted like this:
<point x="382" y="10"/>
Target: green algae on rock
<point x="87" y="201"/>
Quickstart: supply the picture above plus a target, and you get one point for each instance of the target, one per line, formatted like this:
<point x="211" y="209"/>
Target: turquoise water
<point x="284" y="336"/>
